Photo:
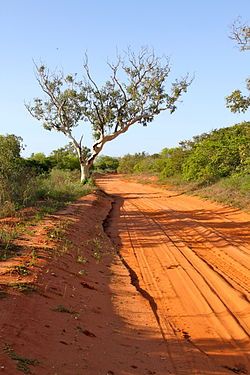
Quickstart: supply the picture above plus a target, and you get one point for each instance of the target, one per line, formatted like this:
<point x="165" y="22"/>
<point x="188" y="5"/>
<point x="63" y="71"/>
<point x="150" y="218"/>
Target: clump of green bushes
<point x="36" y="180"/>
<point x="61" y="185"/>
<point x="204" y="159"/>
<point x="17" y="181"/>
<point x="221" y="157"/>
<point x="219" y="154"/>
<point x="107" y="164"/>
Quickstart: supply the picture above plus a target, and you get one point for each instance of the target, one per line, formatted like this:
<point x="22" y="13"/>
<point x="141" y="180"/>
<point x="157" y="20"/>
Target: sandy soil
<point x="175" y="301"/>
<point x="190" y="259"/>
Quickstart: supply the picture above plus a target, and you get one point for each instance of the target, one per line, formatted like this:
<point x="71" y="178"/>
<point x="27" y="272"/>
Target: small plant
<point x="97" y="255"/>
<point x="24" y="287"/>
<point x="96" y="248"/>
<point x="81" y="259"/>
<point x="33" y="259"/>
<point x="56" y="233"/>
<point x="21" y="270"/>
<point x="82" y="272"/>
<point x="8" y="234"/>
<point x="23" y="363"/>
<point x="7" y="248"/>
<point x="63" y="309"/>
<point x="66" y="245"/>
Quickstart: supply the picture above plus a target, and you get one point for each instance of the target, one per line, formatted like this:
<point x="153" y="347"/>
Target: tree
<point x="39" y="162"/>
<point x="173" y="161"/>
<point x="237" y="102"/>
<point x="128" y="162"/>
<point x="106" y="163"/>
<point x="65" y="158"/>
<point x="110" y="109"/>
<point x="16" y="178"/>
<point x="10" y="149"/>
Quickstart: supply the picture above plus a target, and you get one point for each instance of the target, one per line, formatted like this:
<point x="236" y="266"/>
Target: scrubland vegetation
<point x="215" y="164"/>
<point x="47" y="182"/>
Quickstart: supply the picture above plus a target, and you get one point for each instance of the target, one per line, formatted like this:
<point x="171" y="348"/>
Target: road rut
<point x="190" y="259"/>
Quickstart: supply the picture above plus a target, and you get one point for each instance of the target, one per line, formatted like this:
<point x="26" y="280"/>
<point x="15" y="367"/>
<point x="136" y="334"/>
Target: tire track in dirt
<point x="223" y="255"/>
<point x="213" y="286"/>
<point x="181" y="354"/>
<point x="190" y="270"/>
<point x="181" y="261"/>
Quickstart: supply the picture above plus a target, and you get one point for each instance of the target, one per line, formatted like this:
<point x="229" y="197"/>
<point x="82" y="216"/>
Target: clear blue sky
<point x="193" y="33"/>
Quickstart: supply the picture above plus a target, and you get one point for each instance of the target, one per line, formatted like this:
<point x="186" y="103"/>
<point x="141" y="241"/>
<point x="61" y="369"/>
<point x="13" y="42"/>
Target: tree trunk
<point x="84" y="172"/>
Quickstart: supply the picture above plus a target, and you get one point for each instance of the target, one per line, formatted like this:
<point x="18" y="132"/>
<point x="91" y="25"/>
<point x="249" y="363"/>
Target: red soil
<point x="175" y="302"/>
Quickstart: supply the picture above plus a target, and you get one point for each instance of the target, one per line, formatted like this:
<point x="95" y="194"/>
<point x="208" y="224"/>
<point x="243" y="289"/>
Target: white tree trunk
<point x="84" y="172"/>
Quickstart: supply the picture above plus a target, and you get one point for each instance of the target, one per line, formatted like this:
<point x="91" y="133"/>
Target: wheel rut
<point x="133" y="275"/>
<point x="191" y="272"/>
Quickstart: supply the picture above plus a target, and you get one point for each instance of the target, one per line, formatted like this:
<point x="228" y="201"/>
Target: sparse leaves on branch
<point x="240" y="33"/>
<point x="237" y="102"/>
<point x="110" y="109"/>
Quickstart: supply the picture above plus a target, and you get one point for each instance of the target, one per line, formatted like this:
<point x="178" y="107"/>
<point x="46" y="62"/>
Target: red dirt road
<point x="189" y="259"/>
<point x="175" y="301"/>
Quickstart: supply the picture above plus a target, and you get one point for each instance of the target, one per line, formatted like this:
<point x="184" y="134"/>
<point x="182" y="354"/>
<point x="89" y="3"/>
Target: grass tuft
<point x="63" y="309"/>
<point x="23" y="363"/>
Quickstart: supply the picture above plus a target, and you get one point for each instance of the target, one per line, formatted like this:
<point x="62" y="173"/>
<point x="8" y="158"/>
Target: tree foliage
<point x="173" y="161"/>
<point x="16" y="178"/>
<point x="64" y="158"/>
<point x="106" y="163"/>
<point x="203" y="159"/>
<point x="238" y="102"/>
<point x="39" y="163"/>
<point x="134" y="94"/>
<point x="10" y="149"/>
<point x="128" y="162"/>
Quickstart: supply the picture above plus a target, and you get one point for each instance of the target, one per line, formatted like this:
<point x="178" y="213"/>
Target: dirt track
<point x="189" y="259"/>
<point x="175" y="301"/>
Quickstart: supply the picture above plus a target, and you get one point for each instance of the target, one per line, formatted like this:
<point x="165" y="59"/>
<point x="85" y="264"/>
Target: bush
<point x="106" y="164"/>
<point x="233" y="190"/>
<point x="61" y="185"/>
<point x="39" y="163"/>
<point x="147" y="165"/>
<point x="64" y="158"/>
<point x="222" y="153"/>
<point x="17" y="181"/>
<point x="20" y="185"/>
<point x="128" y="162"/>
<point x="173" y="161"/>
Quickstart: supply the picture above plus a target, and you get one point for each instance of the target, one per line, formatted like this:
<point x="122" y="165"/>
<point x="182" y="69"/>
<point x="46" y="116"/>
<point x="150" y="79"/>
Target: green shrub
<point x="39" y="163"/>
<point x="61" y="185"/>
<point x="64" y="158"/>
<point x="233" y="190"/>
<point x="21" y="185"/>
<point x="173" y="161"/>
<point x="149" y="164"/>
<point x="222" y="153"/>
<point x="106" y="164"/>
<point x="128" y="162"/>
<point x="17" y="181"/>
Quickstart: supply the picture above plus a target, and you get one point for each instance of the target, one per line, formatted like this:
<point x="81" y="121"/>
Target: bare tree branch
<point x="240" y="33"/>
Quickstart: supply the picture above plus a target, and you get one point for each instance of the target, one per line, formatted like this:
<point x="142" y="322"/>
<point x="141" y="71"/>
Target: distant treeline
<point x="204" y="159"/>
